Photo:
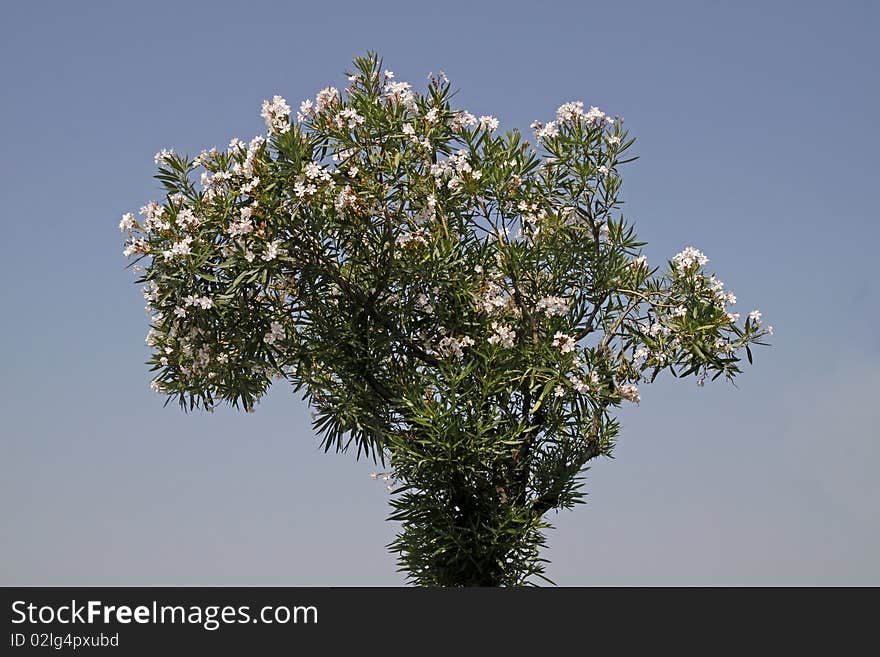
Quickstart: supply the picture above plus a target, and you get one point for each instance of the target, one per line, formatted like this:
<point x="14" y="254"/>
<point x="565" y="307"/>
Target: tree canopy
<point x="465" y="306"/>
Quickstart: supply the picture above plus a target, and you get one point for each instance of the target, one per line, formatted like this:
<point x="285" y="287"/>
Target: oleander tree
<point x="465" y="307"/>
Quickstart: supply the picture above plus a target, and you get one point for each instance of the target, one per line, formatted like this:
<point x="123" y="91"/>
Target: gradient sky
<point x="756" y="124"/>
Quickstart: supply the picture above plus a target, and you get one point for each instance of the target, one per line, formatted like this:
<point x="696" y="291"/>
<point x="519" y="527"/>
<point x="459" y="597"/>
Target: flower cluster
<point x="275" y="334"/>
<point x="276" y="113"/>
<point x="450" y="346"/>
<point x="502" y="334"/>
<point x="686" y="259"/>
<point x="572" y="113"/>
<point x="399" y="93"/>
<point x="565" y="343"/>
<point x="462" y="120"/>
<point x="455" y="170"/>
<point x="630" y="392"/>
<point x="552" y="306"/>
<point x="411" y="240"/>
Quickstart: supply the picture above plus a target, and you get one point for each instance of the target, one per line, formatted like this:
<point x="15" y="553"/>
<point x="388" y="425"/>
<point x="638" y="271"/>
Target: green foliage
<point x="449" y="300"/>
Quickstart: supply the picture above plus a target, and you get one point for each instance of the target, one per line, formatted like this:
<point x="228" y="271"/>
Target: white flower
<point x="302" y="190"/>
<point x="343" y="154"/>
<point x="545" y="131"/>
<point x="552" y="306"/>
<point x="502" y="334"/>
<point x="246" y="168"/>
<point x="630" y="392"/>
<point x="275" y="333"/>
<point x="136" y="246"/>
<point x="154" y="214"/>
<point x="494" y="299"/>
<point x="180" y="248"/>
<point x="127" y="222"/>
<point x="204" y="303"/>
<point x="564" y="342"/>
<point x="163" y="155"/>
<point x="431" y="205"/>
<point x="437" y="79"/>
<point x="315" y="171"/>
<point x="305" y="110"/>
<point x="214" y="184"/>
<point x="559" y="391"/>
<point x="570" y="111"/>
<point x="250" y="186"/>
<point x="273" y="250"/>
<point x="151" y="292"/>
<point x="276" y="113"/>
<point x="689" y="257"/>
<point x="450" y="346"/>
<point x="345" y="199"/>
<point x="723" y="345"/>
<point x="755" y="316"/>
<point x="152" y="338"/>
<point x="595" y="116"/>
<point x="423" y="303"/>
<point x="187" y="220"/>
<point x="244" y="225"/>
<point x="722" y="298"/>
<point x="463" y="120"/>
<point x="613" y="140"/>
<point x="205" y="157"/>
<point x="400" y="92"/>
<point x="412" y="240"/>
<point x="349" y="117"/>
<point x="579" y="385"/>
<point x="489" y="123"/>
<point x="326" y="97"/>
<point x="432" y="116"/>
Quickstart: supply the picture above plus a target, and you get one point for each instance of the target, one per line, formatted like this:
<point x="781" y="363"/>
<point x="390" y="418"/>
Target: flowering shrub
<point x="453" y="301"/>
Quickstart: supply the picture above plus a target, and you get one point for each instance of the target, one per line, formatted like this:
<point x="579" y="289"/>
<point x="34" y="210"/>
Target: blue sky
<point x="756" y="130"/>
